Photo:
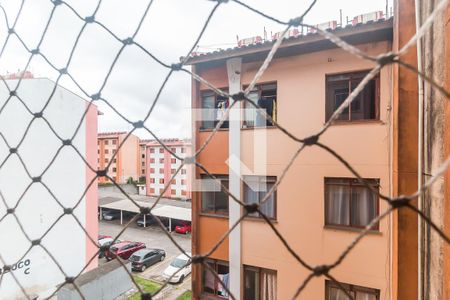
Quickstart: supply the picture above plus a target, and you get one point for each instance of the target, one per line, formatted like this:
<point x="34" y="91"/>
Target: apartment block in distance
<point x="125" y="162"/>
<point x="161" y="165"/>
<point x="142" y="158"/>
<point x="319" y="207"/>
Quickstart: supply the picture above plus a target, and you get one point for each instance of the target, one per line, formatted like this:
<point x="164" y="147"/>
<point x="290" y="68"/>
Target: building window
<point x="114" y="178"/>
<point x="114" y="142"/>
<point x="172" y="171"/>
<point x="183" y="193"/>
<point x="152" y="160"/>
<point x="106" y="151"/>
<point x="173" y="150"/>
<point x="161" y="160"/>
<point x="183" y="182"/>
<point x="115" y="160"/>
<point x="183" y="171"/>
<point x="106" y="160"/>
<point x="152" y="180"/>
<point x="348" y="203"/>
<point x="173" y="160"/>
<point x="255" y="189"/>
<point x="143" y="163"/>
<point x="173" y="192"/>
<point x="152" y="170"/>
<point x="364" y="107"/>
<point x="161" y="180"/>
<point x="209" y="282"/>
<point x="143" y="155"/>
<point x="142" y="171"/>
<point x="106" y="142"/>
<point x="161" y="171"/>
<point x="213" y="110"/>
<point x="174" y="181"/>
<point x="214" y="198"/>
<point x="265" y="95"/>
<point x="183" y="150"/>
<point x="161" y="150"/>
<point x="259" y="283"/>
<point x="98" y="151"/>
<point x="114" y="151"/>
<point x="152" y="150"/>
<point x="333" y="292"/>
<point x="152" y="190"/>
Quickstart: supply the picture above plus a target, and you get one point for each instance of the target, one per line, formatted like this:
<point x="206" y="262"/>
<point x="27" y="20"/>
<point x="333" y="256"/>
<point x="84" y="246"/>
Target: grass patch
<point x="185" y="296"/>
<point x="147" y="286"/>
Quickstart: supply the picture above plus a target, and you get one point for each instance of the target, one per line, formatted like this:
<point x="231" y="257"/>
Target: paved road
<point x="153" y="237"/>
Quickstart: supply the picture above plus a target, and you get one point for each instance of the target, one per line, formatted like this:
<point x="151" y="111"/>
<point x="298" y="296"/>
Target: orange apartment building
<point x="319" y="207"/>
<point x="160" y="166"/>
<point x="126" y="160"/>
<point x="142" y="157"/>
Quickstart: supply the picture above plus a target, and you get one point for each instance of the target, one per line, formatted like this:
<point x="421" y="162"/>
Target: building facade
<point x="142" y="159"/>
<point x="319" y="207"/>
<point x="125" y="161"/>
<point x="161" y="165"/>
<point x="65" y="172"/>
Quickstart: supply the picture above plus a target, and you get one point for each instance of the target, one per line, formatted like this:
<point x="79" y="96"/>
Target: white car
<point x="179" y="263"/>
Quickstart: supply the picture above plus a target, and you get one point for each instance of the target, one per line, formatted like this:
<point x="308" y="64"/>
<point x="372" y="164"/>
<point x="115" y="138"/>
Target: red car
<point x="184" y="228"/>
<point x="123" y="249"/>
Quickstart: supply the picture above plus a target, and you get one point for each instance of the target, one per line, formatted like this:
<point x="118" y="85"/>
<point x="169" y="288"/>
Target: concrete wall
<point x="67" y="178"/>
<point x="435" y="56"/>
<point x="99" y="284"/>
<point x="105" y="191"/>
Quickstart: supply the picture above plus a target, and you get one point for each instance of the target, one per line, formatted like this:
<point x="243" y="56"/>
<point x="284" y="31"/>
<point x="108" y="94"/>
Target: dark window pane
<point x="208" y="201"/>
<point x="208" y="106"/>
<point x="363" y="106"/>
<point x="251" y="284"/>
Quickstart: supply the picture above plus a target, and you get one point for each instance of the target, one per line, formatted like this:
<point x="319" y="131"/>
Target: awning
<point x="168" y="211"/>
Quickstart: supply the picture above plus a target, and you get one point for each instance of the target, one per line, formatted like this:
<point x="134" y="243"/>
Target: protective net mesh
<point x="313" y="140"/>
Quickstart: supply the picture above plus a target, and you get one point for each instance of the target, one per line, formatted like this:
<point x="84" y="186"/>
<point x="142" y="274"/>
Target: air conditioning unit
<point x="250" y="41"/>
<point x="373" y="16"/>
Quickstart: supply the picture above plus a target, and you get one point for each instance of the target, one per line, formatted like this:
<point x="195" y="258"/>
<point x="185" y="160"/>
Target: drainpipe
<point x="419" y="152"/>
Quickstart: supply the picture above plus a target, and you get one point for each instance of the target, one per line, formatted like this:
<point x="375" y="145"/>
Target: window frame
<point x="353" y="75"/>
<point x="352" y="182"/>
<point x="273" y="179"/>
<point x="351" y="288"/>
<point x="259" y="270"/>
<point x="258" y="87"/>
<point x="200" y="105"/>
<point x="215" y="263"/>
<point x="214" y="213"/>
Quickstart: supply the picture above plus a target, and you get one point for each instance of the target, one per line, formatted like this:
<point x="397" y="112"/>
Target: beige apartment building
<point x="319" y="207"/>
<point x="125" y="162"/>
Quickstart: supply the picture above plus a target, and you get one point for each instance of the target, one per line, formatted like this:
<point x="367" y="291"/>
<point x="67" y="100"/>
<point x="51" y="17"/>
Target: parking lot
<point x="153" y="237"/>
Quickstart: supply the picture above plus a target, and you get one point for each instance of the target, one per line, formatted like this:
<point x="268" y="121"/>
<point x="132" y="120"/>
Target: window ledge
<point x="213" y="215"/>
<point x="212" y="129"/>
<point x="351" y="229"/>
<point x="358" y="122"/>
<point x="258" y="127"/>
<point x="256" y="219"/>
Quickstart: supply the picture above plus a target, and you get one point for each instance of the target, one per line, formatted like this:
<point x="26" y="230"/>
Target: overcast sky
<point x="168" y="31"/>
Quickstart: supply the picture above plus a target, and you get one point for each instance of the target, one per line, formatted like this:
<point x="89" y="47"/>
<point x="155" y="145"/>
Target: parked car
<point x="144" y="258"/>
<point x="149" y="220"/>
<point x="179" y="263"/>
<point x="104" y="240"/>
<point x="111" y="215"/>
<point x="184" y="228"/>
<point x="101" y="236"/>
<point x="123" y="249"/>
